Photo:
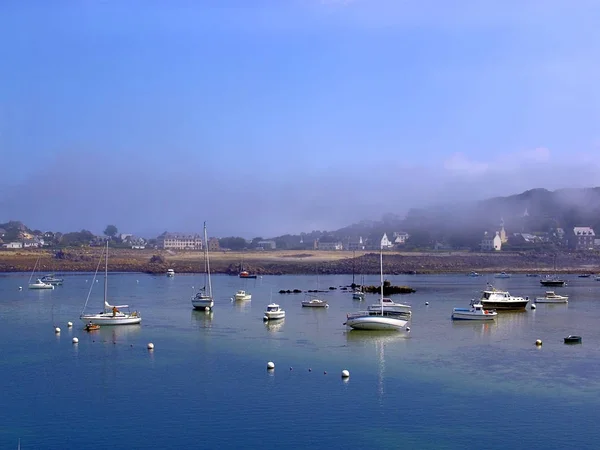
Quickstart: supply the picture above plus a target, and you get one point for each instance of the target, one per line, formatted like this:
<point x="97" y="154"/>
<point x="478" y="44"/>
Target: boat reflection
<point x="481" y="326"/>
<point x="202" y="318"/>
<point x="274" y="325"/>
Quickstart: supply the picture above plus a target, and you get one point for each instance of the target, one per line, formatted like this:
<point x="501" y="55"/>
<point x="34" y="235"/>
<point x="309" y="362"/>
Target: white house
<point x="491" y="242"/>
<point x="13" y="245"/>
<point x="400" y="237"/>
<point x="385" y="242"/>
<point x="267" y="245"/>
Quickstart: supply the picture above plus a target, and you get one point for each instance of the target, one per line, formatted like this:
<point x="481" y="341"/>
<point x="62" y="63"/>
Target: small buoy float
<point x="69" y="324"/>
<point x="270" y="365"/>
<point x="206" y="308"/>
<point x="426" y="303"/>
<point x="324" y="372"/>
<point x="57" y="330"/>
<point x="150" y="346"/>
<point x="538" y="342"/>
<point x="533" y="306"/>
<point x="345" y="374"/>
<point x="20" y="288"/>
<point x="75" y="340"/>
<point x="407" y="328"/>
<point x="291" y="368"/>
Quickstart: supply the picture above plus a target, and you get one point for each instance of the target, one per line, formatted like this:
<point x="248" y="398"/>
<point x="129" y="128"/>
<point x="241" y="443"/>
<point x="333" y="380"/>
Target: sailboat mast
<point x="381" y="271"/>
<point x="353" y="264"/>
<point x="105" y="276"/>
<point x="207" y="261"/>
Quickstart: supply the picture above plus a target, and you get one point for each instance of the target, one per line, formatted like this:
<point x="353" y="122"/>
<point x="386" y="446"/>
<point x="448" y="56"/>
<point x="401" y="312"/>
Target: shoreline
<point x="299" y="262"/>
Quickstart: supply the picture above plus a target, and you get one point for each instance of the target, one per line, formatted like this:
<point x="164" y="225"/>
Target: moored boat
<point x="502" y="275"/>
<point x="90" y="326"/>
<point x="242" y="295"/>
<point x="313" y="302"/>
<point x="552" y="297"/>
<point x="39" y="284"/>
<point x="390" y="307"/>
<point x="203" y="300"/>
<point x="52" y="279"/>
<point x="502" y="300"/>
<point x="573" y="339"/>
<point x="246" y="274"/>
<point x="273" y="312"/>
<point x="170" y="273"/>
<point x="553" y="281"/>
<point x="475" y="312"/>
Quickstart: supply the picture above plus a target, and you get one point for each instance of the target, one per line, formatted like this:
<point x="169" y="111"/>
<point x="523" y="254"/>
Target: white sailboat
<point x="39" y="284"/>
<point x="376" y="320"/>
<point x="204" y="298"/>
<point x="110" y="314"/>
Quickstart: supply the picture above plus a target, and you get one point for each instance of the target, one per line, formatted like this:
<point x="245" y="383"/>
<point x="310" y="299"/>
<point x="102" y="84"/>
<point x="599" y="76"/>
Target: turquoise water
<point x="447" y="385"/>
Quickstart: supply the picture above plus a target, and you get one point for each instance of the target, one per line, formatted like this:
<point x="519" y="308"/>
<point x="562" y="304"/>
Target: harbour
<point x="442" y="379"/>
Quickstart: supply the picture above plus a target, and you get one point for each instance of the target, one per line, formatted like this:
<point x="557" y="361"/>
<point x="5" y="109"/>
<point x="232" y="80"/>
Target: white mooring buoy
<point x="69" y="324"/>
<point x="270" y="365"/>
<point x="75" y="340"/>
<point x="345" y="374"/>
<point x="426" y="303"/>
<point x="538" y="342"/>
<point x="150" y="346"/>
<point x="533" y="306"/>
<point x="20" y="288"/>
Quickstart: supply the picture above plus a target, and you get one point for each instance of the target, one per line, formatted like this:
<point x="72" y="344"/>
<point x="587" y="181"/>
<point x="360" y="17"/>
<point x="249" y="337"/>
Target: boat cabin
<point x="272" y="308"/>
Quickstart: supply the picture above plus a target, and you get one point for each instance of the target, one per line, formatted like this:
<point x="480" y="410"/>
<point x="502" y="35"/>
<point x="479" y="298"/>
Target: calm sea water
<point x="445" y="386"/>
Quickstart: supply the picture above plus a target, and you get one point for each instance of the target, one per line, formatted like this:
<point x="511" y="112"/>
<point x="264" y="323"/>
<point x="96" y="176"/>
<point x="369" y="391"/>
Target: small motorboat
<point x="246" y="274"/>
<point x="170" y="273"/>
<point x="475" y="312"/>
<point x="584" y="275"/>
<point x="314" y="303"/>
<point x="52" y="279"/>
<point x="358" y="294"/>
<point x="242" y="295"/>
<point x="552" y="297"/>
<point x="473" y="274"/>
<point x="502" y="275"/>
<point x="274" y="312"/>
<point x="572" y="339"/>
<point x="91" y="326"/>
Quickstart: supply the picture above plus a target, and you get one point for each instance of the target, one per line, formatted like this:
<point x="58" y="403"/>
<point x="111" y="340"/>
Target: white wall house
<point x="385" y="242"/>
<point x="491" y="242"/>
<point x="179" y="241"/>
<point x="400" y="237"/>
<point x="13" y="245"/>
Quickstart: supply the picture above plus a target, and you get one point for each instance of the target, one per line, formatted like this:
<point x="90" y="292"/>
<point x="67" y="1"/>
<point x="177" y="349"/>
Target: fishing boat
<point x="242" y="296"/>
<point x="475" y="312"/>
<point x="584" y="275"/>
<point x="376" y="320"/>
<point x="552" y="297"/>
<point x="204" y="297"/>
<point x="110" y="314"/>
<point x="38" y="284"/>
<point x="273" y="312"/>
<point x="502" y="300"/>
<point x="473" y="274"/>
<point x="170" y="273"/>
<point x="552" y="281"/>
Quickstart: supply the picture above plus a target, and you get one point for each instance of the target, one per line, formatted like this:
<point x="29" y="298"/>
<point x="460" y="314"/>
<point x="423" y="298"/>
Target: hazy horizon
<point x="288" y="117"/>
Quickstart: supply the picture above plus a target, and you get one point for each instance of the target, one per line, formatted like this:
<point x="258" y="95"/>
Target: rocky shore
<point x="296" y="262"/>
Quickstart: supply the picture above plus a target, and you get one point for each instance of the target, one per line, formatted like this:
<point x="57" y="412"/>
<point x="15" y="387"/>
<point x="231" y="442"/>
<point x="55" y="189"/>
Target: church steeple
<point x="503" y="236"/>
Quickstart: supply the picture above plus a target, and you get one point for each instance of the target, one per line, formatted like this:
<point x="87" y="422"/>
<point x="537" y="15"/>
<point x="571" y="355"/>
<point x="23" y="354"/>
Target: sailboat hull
<point x="202" y="303"/>
<point x="376" y="323"/>
<point x="109" y="319"/>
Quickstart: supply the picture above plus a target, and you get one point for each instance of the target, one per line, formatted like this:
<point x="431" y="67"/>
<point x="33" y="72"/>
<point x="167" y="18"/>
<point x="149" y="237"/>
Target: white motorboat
<point x="39" y="284"/>
<point x="242" y="296"/>
<point x="110" y="314"/>
<point x="391" y="307"/>
<point x="313" y="302"/>
<point x="552" y="297"/>
<point x="52" y="279"/>
<point x="502" y="275"/>
<point x="502" y="300"/>
<point x="274" y="312"/>
<point x="204" y="298"/>
<point x="357" y="294"/>
<point x="170" y="273"/>
<point x="475" y="312"/>
<point x="473" y="274"/>
<point x="377" y="320"/>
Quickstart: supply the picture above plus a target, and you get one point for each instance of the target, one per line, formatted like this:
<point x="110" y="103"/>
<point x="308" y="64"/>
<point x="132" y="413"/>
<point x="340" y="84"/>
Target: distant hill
<point x="462" y="223"/>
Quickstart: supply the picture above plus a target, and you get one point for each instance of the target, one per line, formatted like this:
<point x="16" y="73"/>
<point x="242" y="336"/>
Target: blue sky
<point x="267" y="117"/>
